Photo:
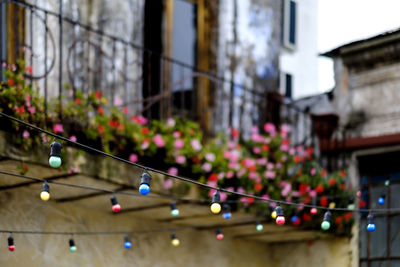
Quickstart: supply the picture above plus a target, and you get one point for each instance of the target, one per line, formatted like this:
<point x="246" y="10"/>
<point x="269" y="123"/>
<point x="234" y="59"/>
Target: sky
<point x="344" y="21"/>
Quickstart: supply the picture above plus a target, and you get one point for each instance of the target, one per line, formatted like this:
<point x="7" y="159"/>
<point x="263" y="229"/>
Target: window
<point x="286" y="85"/>
<point x="289" y="24"/>
<point x="3" y="43"/>
<point x="381" y="247"/>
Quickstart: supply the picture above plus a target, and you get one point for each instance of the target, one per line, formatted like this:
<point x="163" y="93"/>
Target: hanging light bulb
<point x="381" y="199"/>
<point x="326" y="224"/>
<point x="371" y="225"/>
<point x="332" y="203"/>
<point x="259" y="226"/>
<point x="45" y="193"/>
<point x="313" y="211"/>
<point x="72" y="246"/>
<point x="127" y="242"/>
<point x="350" y="205"/>
<point x="226" y="212"/>
<point x="219" y="234"/>
<point x="387" y="182"/>
<point x="144" y="187"/>
<point x="174" y="210"/>
<point x="215" y="206"/>
<point x="55" y="155"/>
<point x="174" y="240"/>
<point x="114" y="202"/>
<point x="11" y="246"/>
<point x="280" y="219"/>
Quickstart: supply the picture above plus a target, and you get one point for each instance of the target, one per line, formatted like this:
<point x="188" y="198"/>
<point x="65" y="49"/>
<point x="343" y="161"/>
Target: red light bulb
<point x="11" y="246"/>
<point x="313" y="211"/>
<point x="116" y="208"/>
<point x="280" y="220"/>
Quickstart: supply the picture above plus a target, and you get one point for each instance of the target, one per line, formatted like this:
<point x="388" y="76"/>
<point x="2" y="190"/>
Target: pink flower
<point x="240" y="190"/>
<point x="270" y="174"/>
<point x="269" y="128"/>
<point x="173" y="171"/>
<point x="170" y="122"/>
<point x="223" y="196"/>
<point x="292" y="151"/>
<point x="25" y="134"/>
<point x="256" y="150"/>
<point x="117" y="101"/>
<point x="221" y="175"/>
<point x="253" y="175"/>
<point x="265" y="197"/>
<point x="168" y="184"/>
<point x="233" y="165"/>
<point x="4" y="64"/>
<point x="229" y="174"/>
<point x="312" y="193"/>
<point x="254" y="129"/>
<point x="210" y="157"/>
<point x="231" y="145"/>
<point x="247" y="162"/>
<point x="213" y="184"/>
<point x="270" y="166"/>
<point x="206" y="167"/>
<point x="284" y="158"/>
<point x="58" y="128"/>
<point x="158" y="140"/>
<point x="32" y="110"/>
<point x="240" y="173"/>
<point x="73" y="138"/>
<point x="261" y="161"/>
<point x="145" y="144"/>
<point x="133" y="158"/>
<point x="141" y="120"/>
<point x="180" y="159"/>
<point x="300" y="207"/>
<point x="278" y="165"/>
<point x="295" y="193"/>
<point x="284" y="147"/>
<point x="73" y="169"/>
<point x="178" y="143"/>
<point x="285" y="128"/>
<point x="286" y="189"/>
<point x="44" y="138"/>
<point x="257" y="138"/>
<point x="313" y="171"/>
<point x="177" y="134"/>
<point x="234" y="156"/>
<point x="195" y="144"/>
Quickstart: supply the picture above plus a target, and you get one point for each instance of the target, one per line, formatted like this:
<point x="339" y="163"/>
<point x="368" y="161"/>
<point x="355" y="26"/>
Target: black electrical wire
<point x="278" y="202"/>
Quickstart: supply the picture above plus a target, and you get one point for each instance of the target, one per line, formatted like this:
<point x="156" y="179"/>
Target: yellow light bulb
<point x="44" y="195"/>
<point x="215" y="208"/>
<point x="175" y="242"/>
<point x="332" y="205"/>
<point x="273" y="215"/>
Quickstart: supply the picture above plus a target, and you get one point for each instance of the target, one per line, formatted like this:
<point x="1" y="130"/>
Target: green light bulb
<point x="259" y="227"/>
<point x="325" y="225"/>
<point x="175" y="212"/>
<point x="55" y="162"/>
<point x="72" y="248"/>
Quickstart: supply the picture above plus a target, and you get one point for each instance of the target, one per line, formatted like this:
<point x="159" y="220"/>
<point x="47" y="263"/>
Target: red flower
<point x="258" y="187"/>
<point x="306" y="217"/>
<point x="297" y="159"/>
<point x="324" y="173"/>
<point x="125" y="110"/>
<point x="121" y="127"/>
<point x="297" y="222"/>
<point x="310" y="150"/>
<point x="307" y="200"/>
<point x="250" y="200"/>
<point x="191" y="131"/>
<point x="342" y="174"/>
<point x="101" y="128"/>
<point x="319" y="189"/>
<point x="332" y="181"/>
<point x="324" y="201"/>
<point x="113" y="123"/>
<point x="196" y="159"/>
<point x="285" y="142"/>
<point x="20" y="109"/>
<point x="78" y="101"/>
<point x="348" y="215"/>
<point x="342" y="186"/>
<point x="11" y="82"/>
<point x="121" y="148"/>
<point x="213" y="177"/>
<point x="98" y="94"/>
<point x="265" y="148"/>
<point x="303" y="188"/>
<point x="252" y="168"/>
<point x="100" y="110"/>
<point x="362" y="204"/>
<point x="145" y="130"/>
<point x="235" y="133"/>
<point x="29" y="69"/>
<point x="338" y="220"/>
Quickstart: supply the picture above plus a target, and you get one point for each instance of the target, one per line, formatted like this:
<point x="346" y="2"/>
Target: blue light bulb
<point x="381" y="200"/>
<point x="127" y="245"/>
<point x="371" y="227"/>
<point x="144" y="189"/>
<point x="226" y="215"/>
<point x="294" y="218"/>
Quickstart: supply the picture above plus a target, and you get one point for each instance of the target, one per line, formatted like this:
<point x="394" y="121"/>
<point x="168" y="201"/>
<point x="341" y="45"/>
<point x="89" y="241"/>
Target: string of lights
<point x="144" y="187"/>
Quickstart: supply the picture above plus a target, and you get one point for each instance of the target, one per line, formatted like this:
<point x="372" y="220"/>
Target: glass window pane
<point x="363" y="264"/>
<point x="395" y="236"/>
<point x="394" y="196"/>
<point x="377" y="239"/>
<point x="363" y="239"/>
<point x="395" y="263"/>
<point x="379" y="264"/>
<point x="376" y="192"/>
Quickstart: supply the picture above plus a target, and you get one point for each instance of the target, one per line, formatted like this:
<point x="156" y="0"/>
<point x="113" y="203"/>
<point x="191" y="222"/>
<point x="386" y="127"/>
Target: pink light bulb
<point x="280" y="220"/>
<point x="116" y="208"/>
<point x="314" y="211"/>
<point x="220" y="236"/>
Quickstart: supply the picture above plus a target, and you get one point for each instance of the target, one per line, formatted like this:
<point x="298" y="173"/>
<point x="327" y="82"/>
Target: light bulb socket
<point x="383" y="195"/>
<point x="55" y="149"/>
<point x="145" y="179"/>
<point x="127" y="239"/>
<point x="114" y="200"/>
<point x="10" y="241"/>
<point x="327" y="216"/>
<point x="46" y="187"/>
<point x="216" y="198"/>
<point x="71" y="243"/>
<point x="218" y="231"/>
<point x="226" y="208"/>
<point x="279" y="211"/>
<point x="370" y="219"/>
<point x="173" y="236"/>
<point x="173" y="206"/>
